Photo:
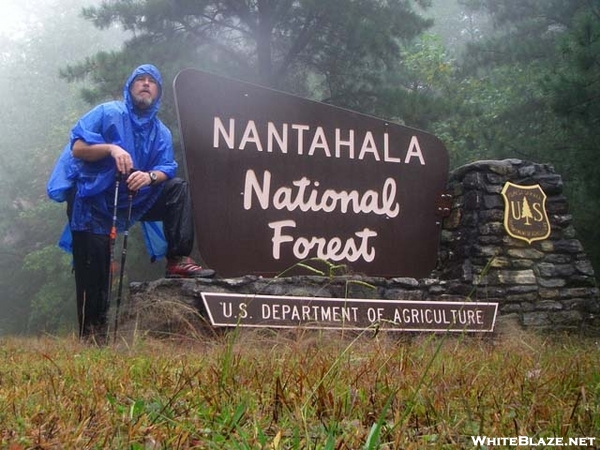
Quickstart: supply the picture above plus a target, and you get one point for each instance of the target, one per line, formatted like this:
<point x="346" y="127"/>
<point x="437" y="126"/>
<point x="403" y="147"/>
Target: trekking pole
<point x="130" y="194"/>
<point x="113" y="238"/>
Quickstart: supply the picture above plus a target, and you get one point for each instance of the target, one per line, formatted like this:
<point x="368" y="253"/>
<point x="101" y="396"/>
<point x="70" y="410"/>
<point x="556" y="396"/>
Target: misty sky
<point x="11" y="17"/>
<point x="16" y="16"/>
<point x="19" y="16"/>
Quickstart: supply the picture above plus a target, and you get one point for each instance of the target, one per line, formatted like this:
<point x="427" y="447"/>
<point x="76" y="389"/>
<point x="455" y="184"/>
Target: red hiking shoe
<point x="186" y="267"/>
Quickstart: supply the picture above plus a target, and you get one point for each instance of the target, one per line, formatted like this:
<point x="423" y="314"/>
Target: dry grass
<point x="296" y="390"/>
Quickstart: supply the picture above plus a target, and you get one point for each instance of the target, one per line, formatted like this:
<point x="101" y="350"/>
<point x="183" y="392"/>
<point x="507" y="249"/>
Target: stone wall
<point x="549" y="284"/>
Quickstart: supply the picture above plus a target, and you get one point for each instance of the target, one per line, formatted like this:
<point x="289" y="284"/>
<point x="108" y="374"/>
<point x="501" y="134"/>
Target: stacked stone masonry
<point x="548" y="284"/>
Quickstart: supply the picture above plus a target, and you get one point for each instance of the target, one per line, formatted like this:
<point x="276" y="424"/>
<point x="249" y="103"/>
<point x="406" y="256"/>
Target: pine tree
<point x="526" y="211"/>
<point x="338" y="51"/>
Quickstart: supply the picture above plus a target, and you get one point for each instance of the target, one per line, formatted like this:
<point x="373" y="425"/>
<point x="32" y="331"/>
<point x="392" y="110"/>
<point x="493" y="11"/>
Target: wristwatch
<point x="153" y="177"/>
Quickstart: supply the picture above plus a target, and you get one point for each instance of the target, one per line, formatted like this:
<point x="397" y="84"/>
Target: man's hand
<point x="122" y="159"/>
<point x="95" y="152"/>
<point x="137" y="180"/>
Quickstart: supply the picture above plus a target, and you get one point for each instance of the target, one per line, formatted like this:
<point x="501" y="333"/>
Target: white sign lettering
<point x="333" y="250"/>
<point x="301" y="196"/>
<point x="311" y="141"/>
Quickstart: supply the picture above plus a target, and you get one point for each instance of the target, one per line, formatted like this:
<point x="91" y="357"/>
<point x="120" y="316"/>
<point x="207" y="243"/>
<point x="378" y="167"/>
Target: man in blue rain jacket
<point x="121" y="140"/>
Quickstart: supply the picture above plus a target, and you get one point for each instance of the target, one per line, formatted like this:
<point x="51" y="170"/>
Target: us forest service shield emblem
<point x="525" y="212"/>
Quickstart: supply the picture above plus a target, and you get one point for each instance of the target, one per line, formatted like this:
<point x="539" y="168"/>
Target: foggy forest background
<point x="492" y="79"/>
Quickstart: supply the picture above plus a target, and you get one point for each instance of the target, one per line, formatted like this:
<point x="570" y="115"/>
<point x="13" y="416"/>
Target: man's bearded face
<point x="144" y="91"/>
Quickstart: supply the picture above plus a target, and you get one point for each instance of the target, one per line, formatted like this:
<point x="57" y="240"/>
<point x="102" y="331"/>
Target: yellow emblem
<point x="525" y="212"/>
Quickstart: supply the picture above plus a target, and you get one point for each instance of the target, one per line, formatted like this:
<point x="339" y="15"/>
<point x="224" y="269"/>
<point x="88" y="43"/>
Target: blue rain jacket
<point x="149" y="143"/>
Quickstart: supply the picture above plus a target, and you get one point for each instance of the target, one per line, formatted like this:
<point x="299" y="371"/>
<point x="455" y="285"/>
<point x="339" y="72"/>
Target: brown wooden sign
<point x="277" y="179"/>
<point x="233" y="310"/>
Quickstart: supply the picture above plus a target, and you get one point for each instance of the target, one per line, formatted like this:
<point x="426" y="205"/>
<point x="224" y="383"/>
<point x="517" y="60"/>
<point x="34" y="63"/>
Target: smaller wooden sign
<point x="267" y="311"/>
<point x="525" y="215"/>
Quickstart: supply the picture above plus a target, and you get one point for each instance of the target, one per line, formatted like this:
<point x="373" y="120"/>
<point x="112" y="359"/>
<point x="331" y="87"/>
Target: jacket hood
<point x="143" y="117"/>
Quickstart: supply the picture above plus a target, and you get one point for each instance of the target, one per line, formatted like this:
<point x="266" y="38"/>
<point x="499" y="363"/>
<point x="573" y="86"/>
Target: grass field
<point x="298" y="390"/>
